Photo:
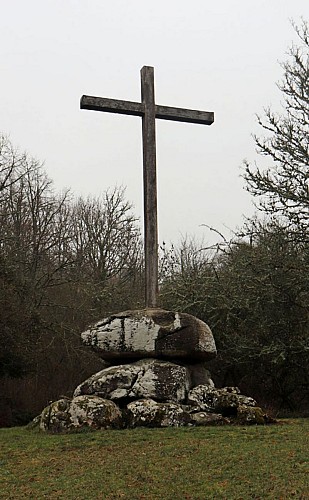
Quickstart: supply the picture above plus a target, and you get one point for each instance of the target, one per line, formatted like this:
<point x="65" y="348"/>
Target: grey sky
<point x="216" y="56"/>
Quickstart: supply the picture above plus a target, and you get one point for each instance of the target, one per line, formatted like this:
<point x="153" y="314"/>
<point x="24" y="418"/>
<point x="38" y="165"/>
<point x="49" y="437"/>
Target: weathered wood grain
<point x="138" y="109"/>
<point x="150" y="187"/>
<point x="184" y="115"/>
<point x="112" y="105"/>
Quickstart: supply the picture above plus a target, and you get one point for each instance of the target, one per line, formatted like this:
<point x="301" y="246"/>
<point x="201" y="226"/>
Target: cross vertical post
<point x="150" y="186"/>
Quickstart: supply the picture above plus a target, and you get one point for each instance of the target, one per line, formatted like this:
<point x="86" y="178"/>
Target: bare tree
<point x="62" y="264"/>
<point x="32" y="227"/>
<point x="283" y="186"/>
<point x="106" y="239"/>
<point x="13" y="164"/>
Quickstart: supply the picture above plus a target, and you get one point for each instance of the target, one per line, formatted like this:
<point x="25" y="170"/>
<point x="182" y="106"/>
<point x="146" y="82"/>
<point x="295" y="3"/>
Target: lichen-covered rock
<point x="153" y="333"/>
<point x="204" y="418"/>
<point x="251" y="415"/>
<point x="56" y="417"/>
<point x="147" y="378"/>
<point x="150" y="413"/>
<point x="66" y="415"/>
<point x="95" y="412"/>
<point x="224" y="401"/>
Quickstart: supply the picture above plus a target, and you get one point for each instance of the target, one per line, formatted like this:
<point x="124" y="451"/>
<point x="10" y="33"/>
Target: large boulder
<point x="252" y="415"/>
<point x="211" y="406"/>
<point x="224" y="401"/>
<point x="147" y="378"/>
<point x="66" y="415"/>
<point x="149" y="413"/>
<point x="153" y="333"/>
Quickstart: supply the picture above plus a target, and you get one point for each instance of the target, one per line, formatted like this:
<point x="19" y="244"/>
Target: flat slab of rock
<point x="154" y="333"/>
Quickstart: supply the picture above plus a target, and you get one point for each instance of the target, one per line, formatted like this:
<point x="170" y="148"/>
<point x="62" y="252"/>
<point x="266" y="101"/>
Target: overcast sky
<point x="219" y="56"/>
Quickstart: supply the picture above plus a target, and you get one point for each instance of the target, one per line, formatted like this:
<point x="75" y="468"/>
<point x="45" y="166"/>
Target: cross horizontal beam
<point x="138" y="109"/>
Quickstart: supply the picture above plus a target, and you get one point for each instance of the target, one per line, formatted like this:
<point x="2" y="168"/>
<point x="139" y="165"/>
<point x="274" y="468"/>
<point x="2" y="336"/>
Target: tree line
<point x="67" y="261"/>
<point x="63" y="263"/>
<point x="254" y="289"/>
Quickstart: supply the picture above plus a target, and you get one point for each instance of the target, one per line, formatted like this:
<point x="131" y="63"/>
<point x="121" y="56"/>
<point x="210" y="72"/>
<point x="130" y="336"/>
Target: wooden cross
<point x="149" y="111"/>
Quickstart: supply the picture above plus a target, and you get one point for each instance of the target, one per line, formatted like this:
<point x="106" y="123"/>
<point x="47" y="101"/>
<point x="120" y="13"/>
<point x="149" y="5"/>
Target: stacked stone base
<point x="135" y="395"/>
<point x="163" y="382"/>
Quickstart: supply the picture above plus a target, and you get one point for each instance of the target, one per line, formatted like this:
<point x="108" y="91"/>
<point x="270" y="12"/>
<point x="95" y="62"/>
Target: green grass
<point x="184" y="463"/>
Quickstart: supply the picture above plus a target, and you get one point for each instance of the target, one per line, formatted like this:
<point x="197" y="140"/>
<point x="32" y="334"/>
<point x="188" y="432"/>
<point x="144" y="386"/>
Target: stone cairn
<point x="156" y="378"/>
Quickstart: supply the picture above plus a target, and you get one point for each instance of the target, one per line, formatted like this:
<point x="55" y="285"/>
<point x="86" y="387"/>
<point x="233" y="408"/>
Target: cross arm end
<point x="184" y="115"/>
<point x="112" y="105"/>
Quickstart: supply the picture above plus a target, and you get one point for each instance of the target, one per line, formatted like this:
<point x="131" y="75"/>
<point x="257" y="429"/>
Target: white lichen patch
<point x="145" y="384"/>
<point x="141" y="334"/>
<point x="177" y="321"/>
<point x="123" y="334"/>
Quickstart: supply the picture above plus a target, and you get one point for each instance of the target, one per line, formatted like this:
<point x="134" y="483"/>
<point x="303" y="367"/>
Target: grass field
<point x="184" y="463"/>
